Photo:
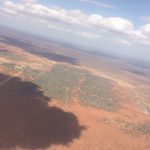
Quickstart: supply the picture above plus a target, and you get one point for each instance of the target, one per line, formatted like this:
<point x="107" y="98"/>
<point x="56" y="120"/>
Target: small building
<point x="18" y="67"/>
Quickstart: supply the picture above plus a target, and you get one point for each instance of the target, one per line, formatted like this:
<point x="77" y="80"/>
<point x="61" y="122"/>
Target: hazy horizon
<point x="74" y="74"/>
<point x="97" y="25"/>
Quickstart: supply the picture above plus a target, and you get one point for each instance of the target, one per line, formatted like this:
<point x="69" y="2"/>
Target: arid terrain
<point x="57" y="97"/>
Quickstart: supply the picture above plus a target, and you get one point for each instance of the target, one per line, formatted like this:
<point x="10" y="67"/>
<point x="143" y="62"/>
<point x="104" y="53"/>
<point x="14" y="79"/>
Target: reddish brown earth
<point x="103" y="129"/>
<point x="86" y="128"/>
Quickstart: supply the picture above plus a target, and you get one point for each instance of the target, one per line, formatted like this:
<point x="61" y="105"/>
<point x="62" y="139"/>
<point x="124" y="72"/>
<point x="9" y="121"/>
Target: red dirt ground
<point x="102" y="128"/>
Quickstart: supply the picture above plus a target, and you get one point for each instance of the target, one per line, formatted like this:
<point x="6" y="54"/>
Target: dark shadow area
<point x="27" y="121"/>
<point x="56" y="57"/>
<point x="137" y="72"/>
<point x="16" y="42"/>
<point x="140" y="63"/>
<point x="103" y="54"/>
<point x="39" y="51"/>
<point x="4" y="51"/>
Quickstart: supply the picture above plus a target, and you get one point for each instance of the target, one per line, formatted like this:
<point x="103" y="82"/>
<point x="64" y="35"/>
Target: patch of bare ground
<point x="103" y="130"/>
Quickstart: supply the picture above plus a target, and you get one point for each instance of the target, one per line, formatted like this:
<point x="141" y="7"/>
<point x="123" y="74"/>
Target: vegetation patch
<point x="144" y="128"/>
<point x="61" y="80"/>
<point x="9" y="66"/>
<point x="136" y="129"/>
<point x="10" y="56"/>
<point x="30" y="73"/>
<point x="97" y="92"/>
